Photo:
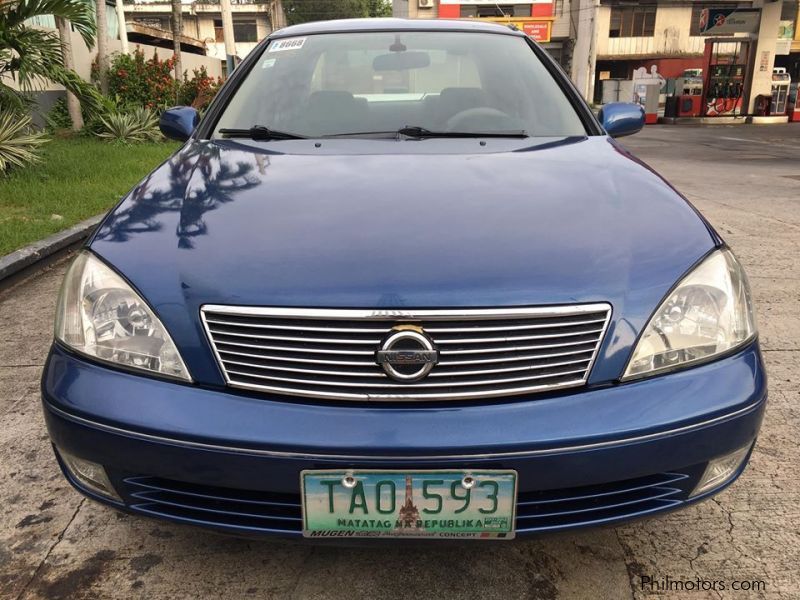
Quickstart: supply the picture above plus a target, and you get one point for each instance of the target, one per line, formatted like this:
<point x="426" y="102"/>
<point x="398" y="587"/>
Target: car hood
<point x="563" y="221"/>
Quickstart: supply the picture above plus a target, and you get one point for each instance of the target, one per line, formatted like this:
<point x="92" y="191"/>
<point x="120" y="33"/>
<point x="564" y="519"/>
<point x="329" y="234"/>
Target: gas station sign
<point x="719" y="21"/>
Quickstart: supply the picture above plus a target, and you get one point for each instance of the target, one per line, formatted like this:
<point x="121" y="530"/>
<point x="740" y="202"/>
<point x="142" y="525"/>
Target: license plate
<point x="448" y="504"/>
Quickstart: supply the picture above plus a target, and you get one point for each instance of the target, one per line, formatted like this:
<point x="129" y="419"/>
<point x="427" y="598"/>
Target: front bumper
<point x="232" y="461"/>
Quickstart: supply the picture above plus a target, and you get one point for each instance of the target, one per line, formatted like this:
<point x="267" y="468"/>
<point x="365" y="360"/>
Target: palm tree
<point x="73" y="104"/>
<point x="28" y="54"/>
<point x="102" y="44"/>
<point x="177" y="31"/>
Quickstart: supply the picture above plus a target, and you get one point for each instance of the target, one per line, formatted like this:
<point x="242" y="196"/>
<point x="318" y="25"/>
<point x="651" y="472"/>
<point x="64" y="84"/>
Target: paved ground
<point x="53" y="544"/>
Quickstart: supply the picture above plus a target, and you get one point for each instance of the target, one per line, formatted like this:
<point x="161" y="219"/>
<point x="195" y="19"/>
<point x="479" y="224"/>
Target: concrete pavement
<point x="54" y="544"/>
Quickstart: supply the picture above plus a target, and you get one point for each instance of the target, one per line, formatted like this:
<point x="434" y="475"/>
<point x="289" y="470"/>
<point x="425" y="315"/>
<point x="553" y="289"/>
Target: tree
<point x="177" y="31"/>
<point x="302" y="11"/>
<point x="102" y="45"/>
<point x="28" y="54"/>
<point x="73" y="104"/>
<point x="378" y="8"/>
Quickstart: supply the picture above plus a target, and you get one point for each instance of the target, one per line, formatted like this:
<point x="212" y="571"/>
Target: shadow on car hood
<point x="229" y="223"/>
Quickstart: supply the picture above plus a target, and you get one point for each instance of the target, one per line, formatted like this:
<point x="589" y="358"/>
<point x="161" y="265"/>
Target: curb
<point x="21" y="259"/>
<point x="702" y="120"/>
<point x="768" y="120"/>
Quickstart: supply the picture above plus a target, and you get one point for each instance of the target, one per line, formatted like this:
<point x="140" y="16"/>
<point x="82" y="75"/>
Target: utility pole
<point x="123" y="27"/>
<point x="278" y="16"/>
<point x="592" y="53"/>
<point x="227" y="34"/>
<point x="584" y="56"/>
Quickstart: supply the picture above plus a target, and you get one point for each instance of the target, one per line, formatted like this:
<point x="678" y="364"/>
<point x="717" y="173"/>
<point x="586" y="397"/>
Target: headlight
<point x="708" y="313"/>
<point x="100" y="315"/>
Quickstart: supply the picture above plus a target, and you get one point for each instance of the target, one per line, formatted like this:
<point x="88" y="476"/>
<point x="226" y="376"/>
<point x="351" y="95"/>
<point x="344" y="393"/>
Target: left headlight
<point x="708" y="313"/>
<point x="100" y="315"/>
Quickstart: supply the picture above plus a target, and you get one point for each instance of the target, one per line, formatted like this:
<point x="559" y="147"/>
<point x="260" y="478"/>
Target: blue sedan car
<point x="400" y="282"/>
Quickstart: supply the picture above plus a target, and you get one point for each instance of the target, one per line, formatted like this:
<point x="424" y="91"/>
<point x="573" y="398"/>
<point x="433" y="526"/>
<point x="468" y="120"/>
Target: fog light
<point x="89" y="474"/>
<point x="720" y="471"/>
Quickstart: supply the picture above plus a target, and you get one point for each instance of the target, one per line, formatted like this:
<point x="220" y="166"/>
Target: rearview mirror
<point x="401" y="61"/>
<point x="621" y="118"/>
<point x="179" y="122"/>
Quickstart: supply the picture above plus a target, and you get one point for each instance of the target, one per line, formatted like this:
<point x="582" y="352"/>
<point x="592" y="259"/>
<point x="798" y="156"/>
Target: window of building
<point x="112" y="22"/>
<point x="632" y="21"/>
<point x="42" y="21"/>
<point x="245" y="31"/>
<point x="558" y="8"/>
<point x="789" y="10"/>
<point x="495" y="10"/>
<point x="556" y="51"/>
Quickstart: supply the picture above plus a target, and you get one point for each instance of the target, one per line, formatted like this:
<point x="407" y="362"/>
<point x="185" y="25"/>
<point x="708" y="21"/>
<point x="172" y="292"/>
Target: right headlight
<point x="708" y="313"/>
<point x="101" y="316"/>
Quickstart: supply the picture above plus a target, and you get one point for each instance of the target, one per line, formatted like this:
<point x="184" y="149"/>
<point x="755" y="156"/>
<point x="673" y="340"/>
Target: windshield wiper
<point x="260" y="132"/>
<point x="421" y="132"/>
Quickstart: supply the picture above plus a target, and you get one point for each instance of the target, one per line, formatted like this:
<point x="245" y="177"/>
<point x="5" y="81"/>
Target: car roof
<point x="351" y="25"/>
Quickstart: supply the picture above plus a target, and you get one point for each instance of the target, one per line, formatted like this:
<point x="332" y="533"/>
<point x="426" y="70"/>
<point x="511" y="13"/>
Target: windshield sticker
<point x="287" y="44"/>
<point x="269" y="63"/>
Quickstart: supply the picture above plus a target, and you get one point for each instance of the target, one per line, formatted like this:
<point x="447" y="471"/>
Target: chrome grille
<point x="330" y="353"/>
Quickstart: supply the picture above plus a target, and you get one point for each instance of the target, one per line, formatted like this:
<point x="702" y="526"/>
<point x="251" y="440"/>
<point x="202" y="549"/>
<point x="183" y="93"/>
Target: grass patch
<point x="77" y="179"/>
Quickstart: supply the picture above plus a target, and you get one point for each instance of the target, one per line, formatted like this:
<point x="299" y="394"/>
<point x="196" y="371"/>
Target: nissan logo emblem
<point x="407" y="354"/>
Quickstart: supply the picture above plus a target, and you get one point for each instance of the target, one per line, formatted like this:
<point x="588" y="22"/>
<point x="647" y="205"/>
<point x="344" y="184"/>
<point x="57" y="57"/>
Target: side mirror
<point x="621" y="118"/>
<point x="179" y="122"/>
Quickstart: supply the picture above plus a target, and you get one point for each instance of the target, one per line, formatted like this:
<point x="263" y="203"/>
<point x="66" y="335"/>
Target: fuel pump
<point x="726" y="67"/>
<point x="689" y="88"/>
<point x="781" y="83"/>
<point x="793" y="109"/>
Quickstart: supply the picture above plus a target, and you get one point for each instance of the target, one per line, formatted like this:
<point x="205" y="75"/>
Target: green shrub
<point x="58" y="119"/>
<point x="18" y="142"/>
<point x="58" y="116"/>
<point x="129" y="126"/>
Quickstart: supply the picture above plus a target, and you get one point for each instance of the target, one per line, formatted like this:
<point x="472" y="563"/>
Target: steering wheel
<point x="482" y="119"/>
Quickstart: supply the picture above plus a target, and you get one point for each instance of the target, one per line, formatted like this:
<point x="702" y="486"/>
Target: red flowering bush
<point x="199" y="90"/>
<point x="134" y="81"/>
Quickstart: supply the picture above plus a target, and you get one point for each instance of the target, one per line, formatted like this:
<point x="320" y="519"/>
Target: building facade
<point x="546" y="21"/>
<point x="663" y="34"/>
<point x="202" y="21"/>
<point x="46" y="92"/>
<point x="597" y="40"/>
<point x="787" y="54"/>
<point x="664" y="37"/>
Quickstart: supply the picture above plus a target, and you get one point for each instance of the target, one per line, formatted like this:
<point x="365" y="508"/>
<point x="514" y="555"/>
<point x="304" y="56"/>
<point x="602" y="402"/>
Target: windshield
<point x="361" y="83"/>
